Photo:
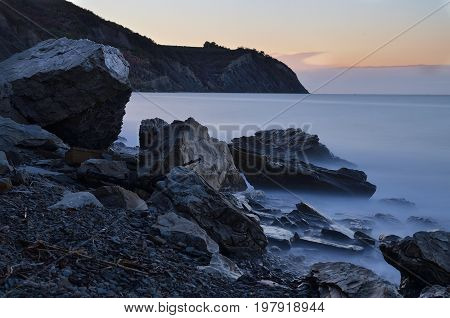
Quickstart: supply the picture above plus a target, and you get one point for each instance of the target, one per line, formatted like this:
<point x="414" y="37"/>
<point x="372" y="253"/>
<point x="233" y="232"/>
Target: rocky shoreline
<point x="81" y="216"/>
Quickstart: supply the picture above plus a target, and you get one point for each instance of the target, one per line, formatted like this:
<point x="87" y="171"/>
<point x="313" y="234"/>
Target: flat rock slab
<point x="345" y="280"/>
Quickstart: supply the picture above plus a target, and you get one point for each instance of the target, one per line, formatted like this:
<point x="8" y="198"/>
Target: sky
<point x="316" y="38"/>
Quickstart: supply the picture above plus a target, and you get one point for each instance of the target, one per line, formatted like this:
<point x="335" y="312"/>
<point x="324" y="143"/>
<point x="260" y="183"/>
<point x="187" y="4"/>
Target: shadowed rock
<point x="76" y="89"/>
<point x="22" y="143"/>
<point x="344" y="280"/>
<point x="423" y="260"/>
<point x="187" y="194"/>
<point x="178" y="229"/>
<point x="265" y="171"/>
<point x="287" y="145"/>
<point x="119" y="198"/>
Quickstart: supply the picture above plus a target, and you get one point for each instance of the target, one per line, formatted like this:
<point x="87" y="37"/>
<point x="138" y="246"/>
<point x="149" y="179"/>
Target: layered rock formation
<point x="153" y="67"/>
<point x="75" y="89"/>
<point x="187" y="143"/>
<point x="185" y="193"/>
<point x="343" y="280"/>
<point x="287" y="145"/>
<point x="423" y="260"/>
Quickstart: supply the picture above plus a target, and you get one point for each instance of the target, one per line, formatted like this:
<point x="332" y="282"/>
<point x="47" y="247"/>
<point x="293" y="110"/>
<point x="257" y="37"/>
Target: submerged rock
<point x="344" y="280"/>
<point x="423" y="260"/>
<point x="178" y="229"/>
<point x="399" y="203"/>
<point x="119" y="198"/>
<point x="185" y="193"/>
<point x="187" y="143"/>
<point x="76" y="89"/>
<point x="77" y="201"/>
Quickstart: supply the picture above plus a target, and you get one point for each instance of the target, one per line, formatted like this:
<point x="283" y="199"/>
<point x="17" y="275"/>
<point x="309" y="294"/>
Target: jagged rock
<point x="264" y="171"/>
<point x="323" y="243"/>
<point x="5" y="185"/>
<point x="119" y="198"/>
<point x="104" y="172"/>
<point x="423" y="260"/>
<point x="178" y="229"/>
<point x="361" y="225"/>
<point x="76" y="89"/>
<point x="120" y="152"/>
<point x="22" y="142"/>
<point x="149" y="130"/>
<point x="77" y="201"/>
<point x="187" y="144"/>
<point x="364" y="238"/>
<point x="5" y="167"/>
<point x="287" y="145"/>
<point x="278" y="237"/>
<point x="344" y="280"/>
<point x="435" y="291"/>
<point x="187" y="194"/>
<point x="221" y="265"/>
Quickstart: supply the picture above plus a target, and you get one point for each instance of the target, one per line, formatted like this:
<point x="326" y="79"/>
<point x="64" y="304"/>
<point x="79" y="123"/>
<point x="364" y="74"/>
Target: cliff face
<point x="153" y="67"/>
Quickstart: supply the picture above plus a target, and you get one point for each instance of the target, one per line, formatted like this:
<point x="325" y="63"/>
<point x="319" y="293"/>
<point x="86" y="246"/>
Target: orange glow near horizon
<point x="340" y="32"/>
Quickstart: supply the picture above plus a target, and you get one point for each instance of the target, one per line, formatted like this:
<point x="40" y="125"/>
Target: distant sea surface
<point x="401" y="142"/>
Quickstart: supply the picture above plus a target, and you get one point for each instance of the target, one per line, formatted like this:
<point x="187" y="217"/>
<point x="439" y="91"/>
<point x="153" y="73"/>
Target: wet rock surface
<point x="187" y="194"/>
<point x="289" y="144"/>
<point x="76" y="89"/>
<point x="268" y="172"/>
<point x="187" y="143"/>
<point x="343" y="280"/>
<point x="423" y="260"/>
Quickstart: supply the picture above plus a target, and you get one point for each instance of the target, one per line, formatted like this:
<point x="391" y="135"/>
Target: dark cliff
<point x="24" y="23"/>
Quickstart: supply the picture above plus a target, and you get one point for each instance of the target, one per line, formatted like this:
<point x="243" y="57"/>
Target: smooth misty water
<point x="401" y="142"/>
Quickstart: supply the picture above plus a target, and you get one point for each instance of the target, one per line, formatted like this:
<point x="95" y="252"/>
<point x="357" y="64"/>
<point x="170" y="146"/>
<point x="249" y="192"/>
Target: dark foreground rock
<point x="185" y="193"/>
<point x="104" y="252"/>
<point x="344" y="280"/>
<point x="76" y="89"/>
<point x="24" y="143"/>
<point x="423" y="260"/>
<point x="263" y="171"/>
<point x="165" y="146"/>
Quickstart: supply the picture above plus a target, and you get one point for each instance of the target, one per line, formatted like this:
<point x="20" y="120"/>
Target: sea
<point x="402" y="142"/>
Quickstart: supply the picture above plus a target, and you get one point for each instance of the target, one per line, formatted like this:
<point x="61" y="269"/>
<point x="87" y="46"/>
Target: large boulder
<point x="119" y="198"/>
<point x="76" y="89"/>
<point x="187" y="194"/>
<point x="187" y="143"/>
<point x="423" y="260"/>
<point x="25" y="142"/>
<point x="271" y="172"/>
<point x="289" y="144"/>
<point x="344" y="280"/>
